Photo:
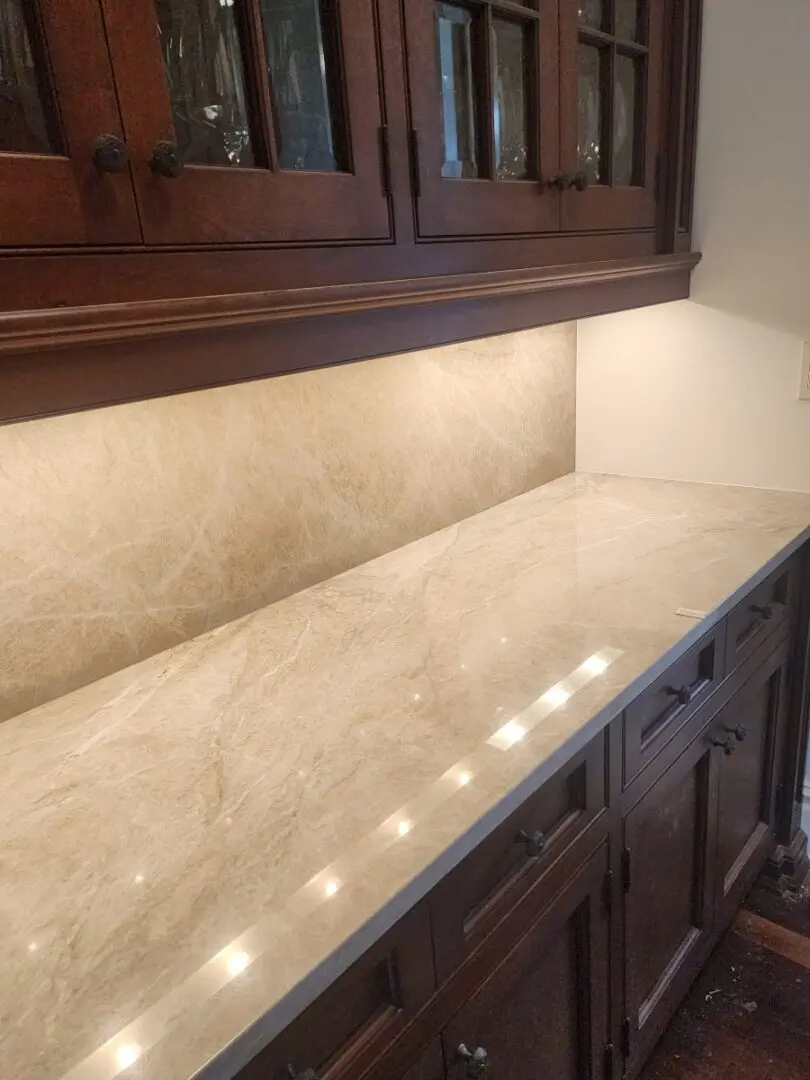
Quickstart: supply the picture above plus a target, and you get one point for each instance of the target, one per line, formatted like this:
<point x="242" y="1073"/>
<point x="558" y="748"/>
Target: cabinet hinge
<point x="607" y="890"/>
<point x="626" y="869"/>
<point x="415" y="169"/>
<point x="385" y="159"/>
<point x="610" y="1062"/>
<point x="626" y="1037"/>
<point x="659" y="176"/>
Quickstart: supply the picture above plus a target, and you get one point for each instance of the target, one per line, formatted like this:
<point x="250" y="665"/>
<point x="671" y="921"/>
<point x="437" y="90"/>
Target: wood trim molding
<point x="114" y="323"/>
<point x="64" y="360"/>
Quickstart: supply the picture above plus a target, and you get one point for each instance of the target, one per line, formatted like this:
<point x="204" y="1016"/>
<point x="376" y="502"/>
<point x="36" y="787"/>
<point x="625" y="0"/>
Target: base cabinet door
<point x="668" y="903"/>
<point x="543" y="1011"/>
<point x="749" y="726"/>
<point x="430" y="1065"/>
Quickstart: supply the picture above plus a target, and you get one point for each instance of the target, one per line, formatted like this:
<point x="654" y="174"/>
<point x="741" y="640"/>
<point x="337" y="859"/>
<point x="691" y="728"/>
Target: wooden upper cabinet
<point x="483" y="86"/>
<point x="61" y="181"/>
<point x="534" y="116"/>
<point x="612" y="67"/>
<point x="252" y="120"/>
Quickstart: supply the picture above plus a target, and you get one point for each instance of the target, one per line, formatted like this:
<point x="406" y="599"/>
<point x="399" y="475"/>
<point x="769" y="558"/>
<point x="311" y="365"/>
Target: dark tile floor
<point x="748" y="1015"/>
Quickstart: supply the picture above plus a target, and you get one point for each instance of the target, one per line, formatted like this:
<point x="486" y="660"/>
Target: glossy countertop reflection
<point x="193" y="848"/>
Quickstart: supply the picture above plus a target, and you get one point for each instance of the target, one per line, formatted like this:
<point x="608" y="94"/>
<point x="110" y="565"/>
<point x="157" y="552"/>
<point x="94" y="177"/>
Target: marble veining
<point x="193" y="847"/>
<point x="129" y="530"/>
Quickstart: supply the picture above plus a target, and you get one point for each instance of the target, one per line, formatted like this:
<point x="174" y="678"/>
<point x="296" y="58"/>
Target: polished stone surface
<point x="202" y="841"/>
<point x="129" y="530"/>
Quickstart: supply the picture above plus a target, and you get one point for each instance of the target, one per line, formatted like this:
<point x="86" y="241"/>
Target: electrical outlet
<point x="804" y="383"/>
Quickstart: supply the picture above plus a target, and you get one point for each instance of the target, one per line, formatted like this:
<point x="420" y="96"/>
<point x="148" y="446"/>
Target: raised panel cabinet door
<point x="667" y="870"/>
<point x="64" y="175"/>
<point x="611" y="79"/>
<point x="543" y="1011"/>
<point x="748" y="726"/>
<point x="252" y="120"/>
<point x="482" y="81"/>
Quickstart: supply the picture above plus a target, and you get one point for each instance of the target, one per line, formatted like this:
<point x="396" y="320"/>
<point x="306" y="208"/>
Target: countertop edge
<point x="255" y="1038"/>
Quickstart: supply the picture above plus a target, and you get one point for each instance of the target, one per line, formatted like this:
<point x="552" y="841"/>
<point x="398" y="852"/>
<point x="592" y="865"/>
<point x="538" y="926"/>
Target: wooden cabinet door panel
<point x="543" y="1011"/>
<point x="611" y="85"/>
<point x="57" y="97"/>
<point x="275" y="110"/>
<point x="669" y="837"/>
<point x="483" y="92"/>
<point x="746" y="812"/>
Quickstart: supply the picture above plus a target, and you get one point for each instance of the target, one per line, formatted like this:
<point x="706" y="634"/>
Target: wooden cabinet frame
<point x="99" y="317"/>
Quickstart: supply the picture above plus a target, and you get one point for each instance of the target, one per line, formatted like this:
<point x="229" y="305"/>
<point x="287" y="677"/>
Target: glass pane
<point x="510" y="108"/>
<point x="591" y="12"/>
<point x="626" y="117"/>
<point x="591" y="114"/>
<point x="202" y="54"/>
<point x="23" y="118"/>
<point x="627" y="13"/>
<point x="301" y="37"/>
<point x="459" y="108"/>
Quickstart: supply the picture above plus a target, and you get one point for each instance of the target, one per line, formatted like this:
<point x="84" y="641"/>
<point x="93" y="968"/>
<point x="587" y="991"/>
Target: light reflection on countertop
<point x="169" y="832"/>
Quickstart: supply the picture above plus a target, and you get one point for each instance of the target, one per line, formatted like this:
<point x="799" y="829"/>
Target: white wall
<point x="687" y="393"/>
<point x="752" y="210"/>
<point x="707" y="389"/>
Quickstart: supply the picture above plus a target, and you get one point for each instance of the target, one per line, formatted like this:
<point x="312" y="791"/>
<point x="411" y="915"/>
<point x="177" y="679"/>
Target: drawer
<point x="353" y="1022"/>
<point x="670" y="703"/>
<point x="468" y="904"/>
<point x="766" y="608"/>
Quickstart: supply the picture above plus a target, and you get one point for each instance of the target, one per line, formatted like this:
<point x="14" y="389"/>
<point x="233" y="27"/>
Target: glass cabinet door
<point x="252" y="120"/>
<point x="64" y="177"/>
<point x="483" y="86"/>
<point x="610" y="104"/>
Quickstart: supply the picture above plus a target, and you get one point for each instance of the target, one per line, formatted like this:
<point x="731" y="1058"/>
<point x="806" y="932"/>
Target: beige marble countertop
<point x="192" y="848"/>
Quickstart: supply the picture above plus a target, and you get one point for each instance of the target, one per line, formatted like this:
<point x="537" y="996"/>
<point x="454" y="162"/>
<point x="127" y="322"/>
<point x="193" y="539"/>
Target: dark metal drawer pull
<point x="728" y="744"/>
<point x="740" y="732"/>
<point x="477" y="1060"/>
<point x="307" y="1074"/>
<point x="534" y="842"/>
<point x="684" y="694"/>
<point x="765" y="611"/>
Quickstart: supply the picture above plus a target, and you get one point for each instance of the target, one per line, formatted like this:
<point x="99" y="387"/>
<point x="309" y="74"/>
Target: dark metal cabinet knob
<point x="765" y="611"/>
<point x="579" y="181"/>
<point x="728" y="744"/>
<point x="740" y="732"/>
<point x="166" y="160"/>
<point x="306" y="1074"/>
<point x="533" y="842"/>
<point x="562" y="181"/>
<point x="477" y="1060"/>
<point x="110" y="154"/>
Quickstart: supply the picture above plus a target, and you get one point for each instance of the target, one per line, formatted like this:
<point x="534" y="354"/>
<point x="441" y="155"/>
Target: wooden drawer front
<point x="470" y="902"/>
<point x="765" y="609"/>
<point x="657" y="715"/>
<point x="352" y="1023"/>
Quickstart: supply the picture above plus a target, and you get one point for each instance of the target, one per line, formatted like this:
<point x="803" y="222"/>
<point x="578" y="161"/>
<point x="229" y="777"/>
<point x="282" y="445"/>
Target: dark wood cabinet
<point x="612" y="101"/>
<point x="57" y="105"/>
<point x="252" y="122"/>
<point x="483" y="84"/>
<point x="749" y="726"/>
<point x="543" y="1010"/>
<point x="326" y="179"/>
<point x="667" y="867"/>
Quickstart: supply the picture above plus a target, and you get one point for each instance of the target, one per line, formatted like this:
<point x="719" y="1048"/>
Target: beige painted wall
<point x="684" y="392"/>
<point x="129" y="529"/>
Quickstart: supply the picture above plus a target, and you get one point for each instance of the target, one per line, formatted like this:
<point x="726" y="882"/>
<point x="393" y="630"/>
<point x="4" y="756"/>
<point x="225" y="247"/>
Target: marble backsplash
<point x="129" y="529"/>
